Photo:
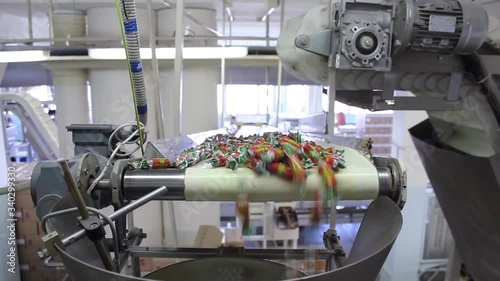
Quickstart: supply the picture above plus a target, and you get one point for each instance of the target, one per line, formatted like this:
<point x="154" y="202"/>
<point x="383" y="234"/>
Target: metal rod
<point x="159" y="38"/>
<point x="51" y="19"/>
<point x="178" y="68"/>
<point x="223" y="69"/>
<point x="332" y="94"/>
<point x="84" y="212"/>
<point x="156" y="71"/>
<point x="280" y="66"/>
<point x="127" y="209"/>
<point x="136" y="267"/>
<point x="30" y="19"/>
<point x="77" y="197"/>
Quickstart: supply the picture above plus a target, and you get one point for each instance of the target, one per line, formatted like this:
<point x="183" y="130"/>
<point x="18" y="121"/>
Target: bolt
<point x="368" y="43"/>
<point x="343" y="51"/>
<point x="357" y="21"/>
<point x="468" y="23"/>
<point x="385" y="35"/>
<point x="397" y="43"/>
<point x="343" y="32"/>
<point x="371" y="64"/>
<point x="374" y="22"/>
<point x="304" y="41"/>
<point x="86" y="171"/>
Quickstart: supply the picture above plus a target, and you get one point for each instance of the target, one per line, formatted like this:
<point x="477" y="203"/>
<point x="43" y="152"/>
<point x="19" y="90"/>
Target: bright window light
<point x="169" y="53"/>
<point x="23" y="56"/>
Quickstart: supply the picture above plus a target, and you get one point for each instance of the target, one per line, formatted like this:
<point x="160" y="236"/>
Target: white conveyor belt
<point x="358" y="181"/>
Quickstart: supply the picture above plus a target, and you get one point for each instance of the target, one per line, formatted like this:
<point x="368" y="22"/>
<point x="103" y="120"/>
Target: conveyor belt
<point x="41" y="130"/>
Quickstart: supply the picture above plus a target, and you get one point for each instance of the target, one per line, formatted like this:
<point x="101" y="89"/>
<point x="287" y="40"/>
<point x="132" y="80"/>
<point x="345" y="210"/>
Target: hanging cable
<point x="115" y="152"/>
<point x="130" y="36"/>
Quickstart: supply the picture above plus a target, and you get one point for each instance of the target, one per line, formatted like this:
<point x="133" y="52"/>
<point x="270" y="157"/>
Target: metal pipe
<point x="178" y="68"/>
<point x="223" y="69"/>
<point x="75" y="193"/>
<point x="136" y="183"/>
<point x="127" y="209"/>
<point x="84" y="212"/>
<point x="159" y="38"/>
<point x="280" y="66"/>
<point x="191" y="17"/>
<point x="156" y="72"/>
<point x="266" y="16"/>
<point x="30" y="19"/>
<point x="51" y="19"/>
<point x="195" y="184"/>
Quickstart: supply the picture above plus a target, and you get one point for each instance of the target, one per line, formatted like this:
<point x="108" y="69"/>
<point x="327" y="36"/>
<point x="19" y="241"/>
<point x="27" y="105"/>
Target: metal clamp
<point x="337" y="253"/>
<point x="50" y="240"/>
<point x="319" y="43"/>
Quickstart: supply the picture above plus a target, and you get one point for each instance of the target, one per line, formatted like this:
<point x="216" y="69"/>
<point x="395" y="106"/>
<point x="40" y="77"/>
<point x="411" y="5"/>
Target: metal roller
<point x="361" y="180"/>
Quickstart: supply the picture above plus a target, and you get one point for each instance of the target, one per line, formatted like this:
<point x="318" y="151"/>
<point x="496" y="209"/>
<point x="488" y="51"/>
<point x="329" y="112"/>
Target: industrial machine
<point x="365" y="51"/>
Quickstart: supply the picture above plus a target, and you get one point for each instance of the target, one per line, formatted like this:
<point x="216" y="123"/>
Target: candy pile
<point x="283" y="155"/>
<point x="153" y="163"/>
<point x="286" y="156"/>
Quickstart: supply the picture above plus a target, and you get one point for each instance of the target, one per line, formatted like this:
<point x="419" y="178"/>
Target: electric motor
<point x="456" y="27"/>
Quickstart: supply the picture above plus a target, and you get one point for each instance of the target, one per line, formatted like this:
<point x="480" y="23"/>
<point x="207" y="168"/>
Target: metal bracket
<point x="332" y="243"/>
<point x="50" y="240"/>
<point x="387" y="101"/>
<point x="319" y="43"/>
<point x="416" y="103"/>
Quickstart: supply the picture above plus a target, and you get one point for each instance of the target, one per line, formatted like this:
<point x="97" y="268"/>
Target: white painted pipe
<point x="70" y="90"/>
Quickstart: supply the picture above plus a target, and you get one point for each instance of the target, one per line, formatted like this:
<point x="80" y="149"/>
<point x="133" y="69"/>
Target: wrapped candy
<point x="328" y="175"/>
<point x="258" y="149"/>
<point x="286" y="141"/>
<point x="296" y="136"/>
<point x="311" y="152"/>
<point x="218" y="160"/>
<point x="329" y="150"/>
<point x="281" y="170"/>
<point x="298" y="172"/>
<point x="272" y="154"/>
<point x="235" y="159"/>
<point x="243" y="210"/>
<point x="256" y="165"/>
<point x="159" y="163"/>
<point x="316" y="210"/>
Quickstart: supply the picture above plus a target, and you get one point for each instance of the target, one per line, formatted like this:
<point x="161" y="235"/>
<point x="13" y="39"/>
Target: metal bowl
<point x="225" y="268"/>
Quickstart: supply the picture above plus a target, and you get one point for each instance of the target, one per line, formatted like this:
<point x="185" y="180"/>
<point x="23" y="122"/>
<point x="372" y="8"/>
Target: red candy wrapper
<point x="242" y="209"/>
<point x="256" y="165"/>
<point x="281" y="170"/>
<point x="316" y="211"/>
<point x="218" y="160"/>
<point x="328" y="175"/>
<point x="298" y="171"/>
<point x="159" y="163"/>
<point x="290" y="141"/>
<point x="311" y="152"/>
<point x="328" y="151"/>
